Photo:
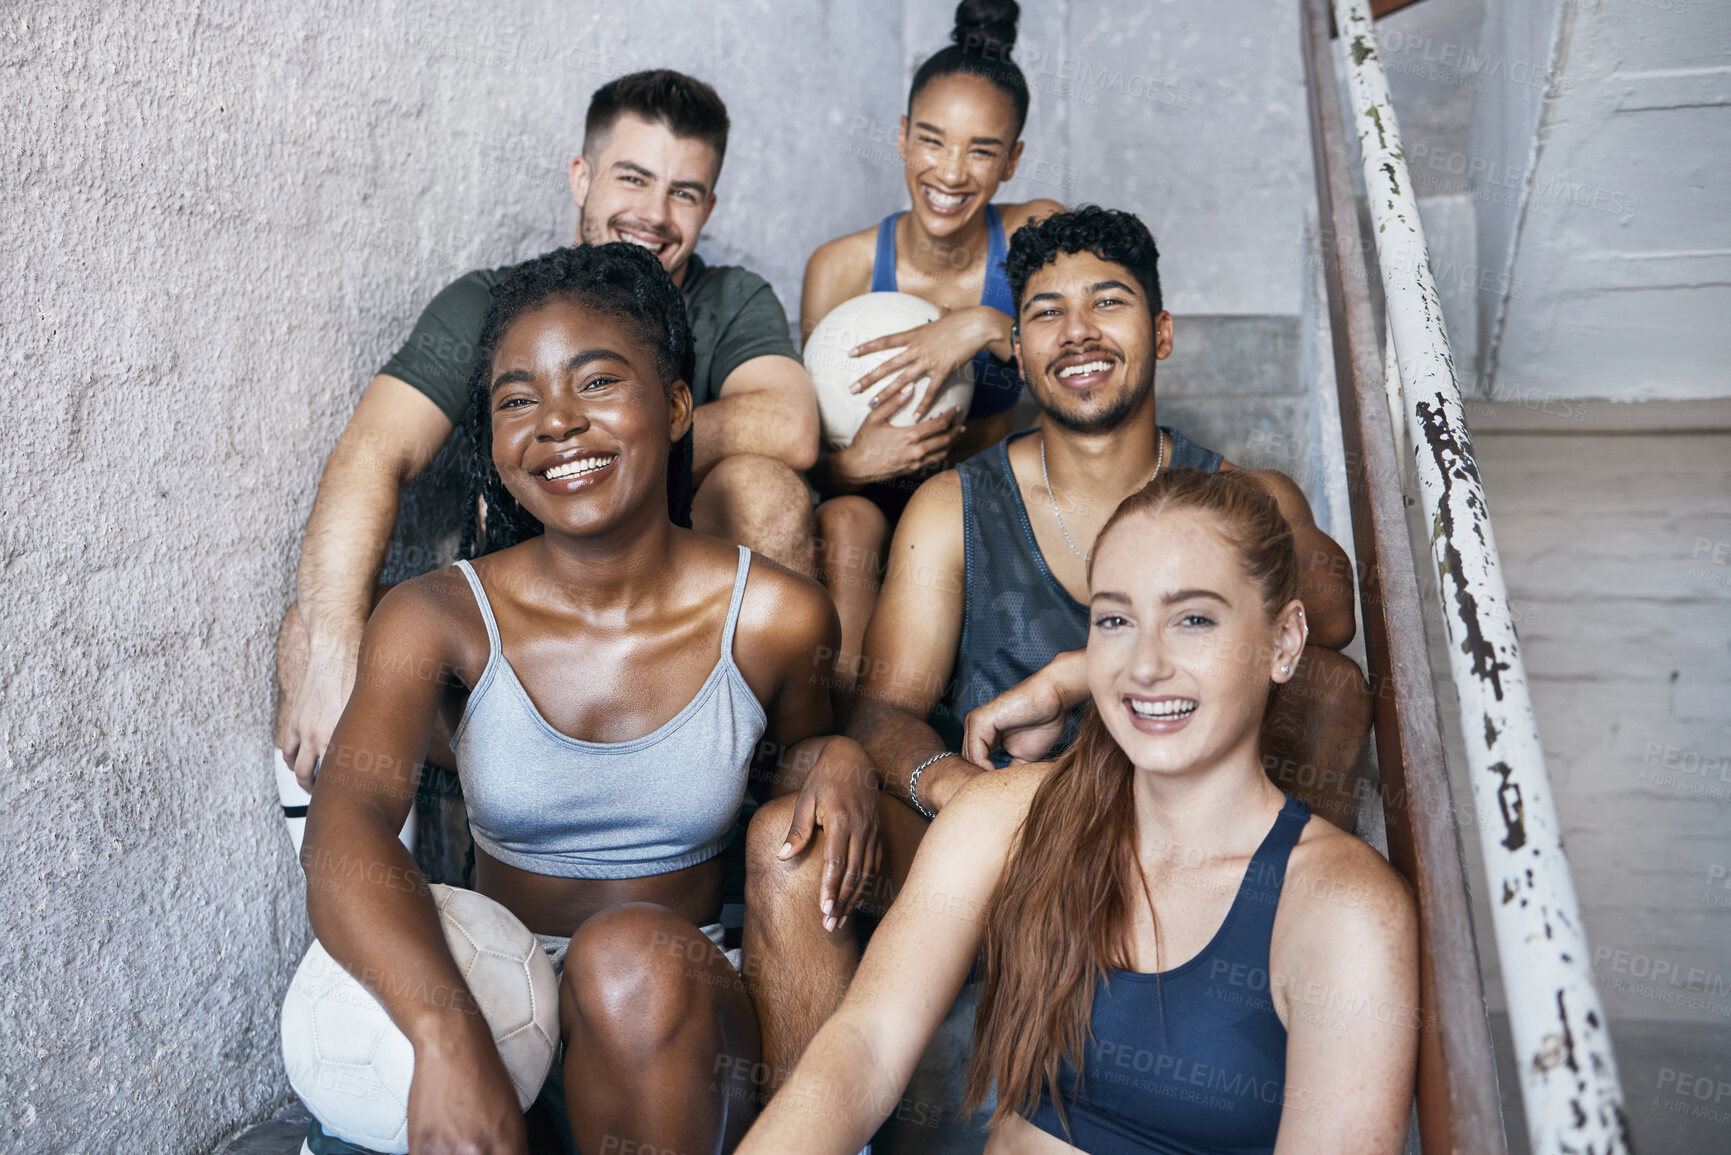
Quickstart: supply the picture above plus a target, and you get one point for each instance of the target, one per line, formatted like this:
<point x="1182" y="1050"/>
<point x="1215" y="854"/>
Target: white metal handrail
<point x="1569" y="1086"/>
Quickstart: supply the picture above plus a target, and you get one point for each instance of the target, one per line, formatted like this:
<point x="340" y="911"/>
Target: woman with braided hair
<point x="614" y="674"/>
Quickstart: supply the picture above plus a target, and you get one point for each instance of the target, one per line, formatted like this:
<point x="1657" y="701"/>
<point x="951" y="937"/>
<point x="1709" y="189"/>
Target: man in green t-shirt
<point x="653" y="144"/>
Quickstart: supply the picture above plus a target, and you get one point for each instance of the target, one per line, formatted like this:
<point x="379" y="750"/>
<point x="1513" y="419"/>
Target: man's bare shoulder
<point x="939" y="492"/>
<point x="932" y="522"/>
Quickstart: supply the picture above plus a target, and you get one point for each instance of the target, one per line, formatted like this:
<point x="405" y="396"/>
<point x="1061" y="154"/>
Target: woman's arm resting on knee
<point x="792" y="630"/>
<point x="367" y="902"/>
<point x="1345" y="966"/>
<point x="857" y="1066"/>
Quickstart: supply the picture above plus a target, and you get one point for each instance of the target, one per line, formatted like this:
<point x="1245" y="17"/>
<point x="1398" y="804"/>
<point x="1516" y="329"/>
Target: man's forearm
<point x="751" y="423"/>
<point x="899" y="742"/>
<point x="348" y="535"/>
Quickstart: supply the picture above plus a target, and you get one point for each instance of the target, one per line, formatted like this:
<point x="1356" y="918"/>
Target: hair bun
<point x="986" y="27"/>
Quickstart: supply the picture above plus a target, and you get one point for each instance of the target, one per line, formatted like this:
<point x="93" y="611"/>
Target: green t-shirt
<point x="734" y="317"/>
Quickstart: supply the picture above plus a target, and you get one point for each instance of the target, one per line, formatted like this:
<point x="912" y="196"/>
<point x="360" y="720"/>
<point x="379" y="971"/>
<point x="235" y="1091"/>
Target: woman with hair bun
<point x="1178" y="959"/>
<point x="959" y="140"/>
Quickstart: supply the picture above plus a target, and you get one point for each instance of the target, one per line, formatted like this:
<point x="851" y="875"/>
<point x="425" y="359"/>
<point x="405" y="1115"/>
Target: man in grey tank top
<point x="987" y="584"/>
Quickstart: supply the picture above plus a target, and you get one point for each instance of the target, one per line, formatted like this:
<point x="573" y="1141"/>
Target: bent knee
<point x="1336" y="684"/>
<point x="767" y="832"/>
<point x="626" y="971"/>
<point x="854" y="520"/>
<point x="769" y="878"/>
<point x="758" y="501"/>
<point x="757" y="480"/>
<point x="620" y="938"/>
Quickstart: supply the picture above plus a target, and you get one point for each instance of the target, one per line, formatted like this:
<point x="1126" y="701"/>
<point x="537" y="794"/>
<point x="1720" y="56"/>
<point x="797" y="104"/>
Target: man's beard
<point x="1107" y="419"/>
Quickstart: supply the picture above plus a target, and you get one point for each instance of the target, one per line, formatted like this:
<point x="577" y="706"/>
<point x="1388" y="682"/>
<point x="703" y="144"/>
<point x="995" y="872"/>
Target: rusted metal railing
<point x="1458" y="1105"/>
<point x="1568" y="1072"/>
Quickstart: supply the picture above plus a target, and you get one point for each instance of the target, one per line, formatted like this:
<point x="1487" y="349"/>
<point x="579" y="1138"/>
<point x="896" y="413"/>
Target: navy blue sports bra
<point x="1191" y="1061"/>
<point x="996" y="383"/>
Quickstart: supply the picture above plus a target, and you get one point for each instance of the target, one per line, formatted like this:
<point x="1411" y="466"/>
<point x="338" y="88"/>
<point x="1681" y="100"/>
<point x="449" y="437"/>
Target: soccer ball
<point x="854" y="322"/>
<point x="350" y="1064"/>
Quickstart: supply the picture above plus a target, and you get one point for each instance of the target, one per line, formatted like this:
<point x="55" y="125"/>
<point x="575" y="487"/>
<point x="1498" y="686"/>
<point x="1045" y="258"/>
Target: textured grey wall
<point x="218" y="226"/>
<point x="1621" y="267"/>
<point x="1522" y="39"/>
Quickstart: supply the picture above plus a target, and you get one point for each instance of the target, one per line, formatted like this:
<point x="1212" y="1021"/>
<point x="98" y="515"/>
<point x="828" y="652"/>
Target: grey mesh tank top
<point x="1017" y="616"/>
<point x="555" y="805"/>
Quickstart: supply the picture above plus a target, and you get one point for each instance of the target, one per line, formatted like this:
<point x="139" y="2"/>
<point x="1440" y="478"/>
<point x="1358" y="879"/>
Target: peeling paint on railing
<point x="1569" y="1085"/>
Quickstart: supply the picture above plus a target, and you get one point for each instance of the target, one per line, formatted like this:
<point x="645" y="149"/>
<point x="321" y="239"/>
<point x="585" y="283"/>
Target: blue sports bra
<point x="997" y="385"/>
<point x="550" y="804"/>
<point x="1190" y="1061"/>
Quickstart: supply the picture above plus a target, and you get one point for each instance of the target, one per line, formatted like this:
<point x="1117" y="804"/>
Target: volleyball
<point x="350" y="1064"/>
<point x="853" y="322"/>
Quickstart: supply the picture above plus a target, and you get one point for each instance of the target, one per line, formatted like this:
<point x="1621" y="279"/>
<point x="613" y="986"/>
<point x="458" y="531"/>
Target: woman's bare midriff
<point x="558" y="906"/>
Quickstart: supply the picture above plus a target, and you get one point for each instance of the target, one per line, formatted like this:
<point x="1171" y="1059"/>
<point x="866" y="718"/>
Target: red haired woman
<point x="1177" y="957"/>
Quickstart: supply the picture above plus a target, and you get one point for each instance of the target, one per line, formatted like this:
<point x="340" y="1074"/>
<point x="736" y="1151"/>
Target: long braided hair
<point x="619" y="279"/>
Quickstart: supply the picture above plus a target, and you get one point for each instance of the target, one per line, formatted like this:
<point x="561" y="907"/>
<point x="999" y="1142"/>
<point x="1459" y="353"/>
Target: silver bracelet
<point x="914" y="783"/>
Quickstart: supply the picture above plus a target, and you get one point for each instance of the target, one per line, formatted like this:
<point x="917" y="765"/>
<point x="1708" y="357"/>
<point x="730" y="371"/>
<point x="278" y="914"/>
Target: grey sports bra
<point x="555" y="805"/>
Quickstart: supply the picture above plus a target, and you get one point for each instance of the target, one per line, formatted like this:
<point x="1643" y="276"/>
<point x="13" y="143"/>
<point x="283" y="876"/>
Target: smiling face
<point x="1086" y="342"/>
<point x="581" y="421"/>
<point x="646" y="187"/>
<point x="1181" y="646"/>
<point x="958" y="143"/>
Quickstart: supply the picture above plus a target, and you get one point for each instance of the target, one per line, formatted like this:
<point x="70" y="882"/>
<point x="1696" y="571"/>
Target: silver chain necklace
<point x="1045" y="478"/>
